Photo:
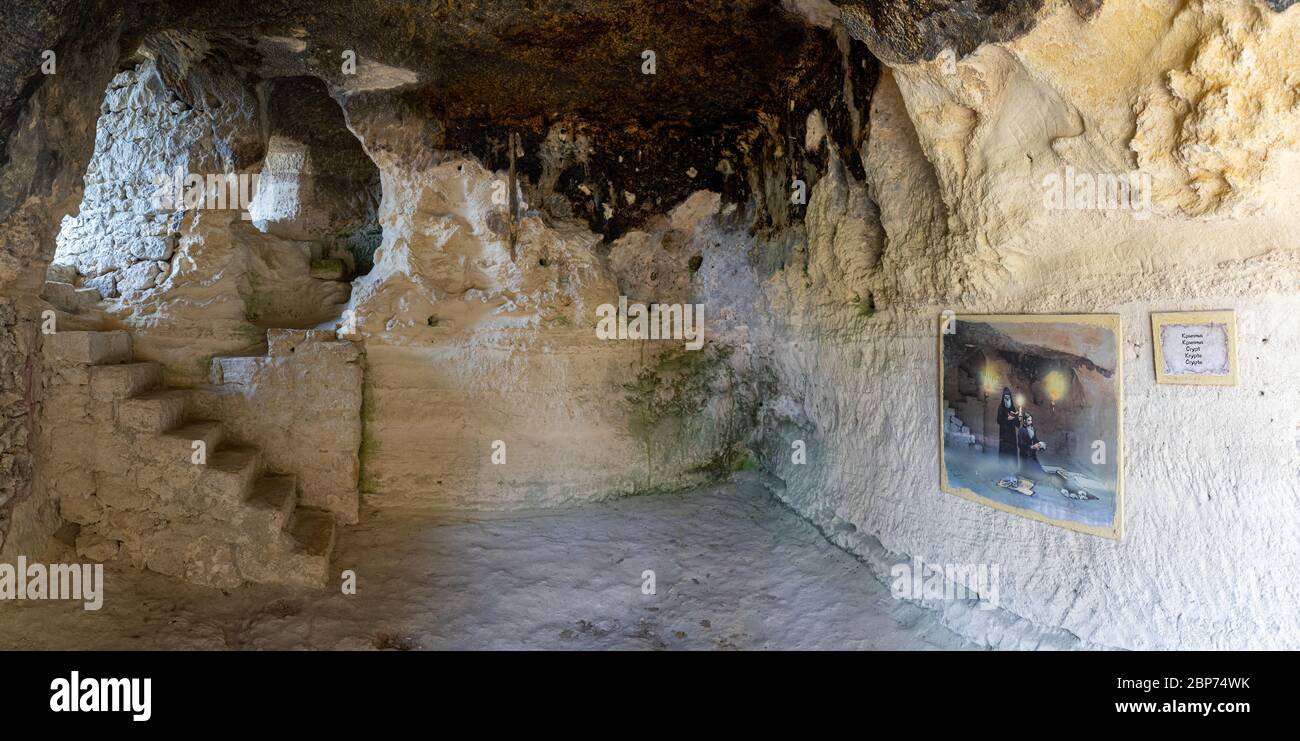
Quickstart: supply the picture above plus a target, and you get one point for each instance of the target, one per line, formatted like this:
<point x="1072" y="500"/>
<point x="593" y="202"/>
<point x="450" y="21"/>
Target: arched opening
<point x="216" y="207"/>
<point x="223" y="219"/>
<point x="317" y="183"/>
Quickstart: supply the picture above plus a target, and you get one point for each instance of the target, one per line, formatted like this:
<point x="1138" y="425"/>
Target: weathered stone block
<point x="137" y="277"/>
<point x="113" y="382"/>
<point x="93" y="546"/>
<point x="299" y="557"/>
<point x="226" y="482"/>
<point x="80" y="507"/>
<point x="90" y="348"/>
<point x="234" y="369"/>
<point x="282" y="342"/>
<point x="69" y="298"/>
<point x="105" y="284"/>
<point x="119" y="492"/>
<point x="176" y="446"/>
<point x="152" y="412"/>
<point x="69" y="375"/>
<point x="269" y="509"/>
<point x="61" y="273"/>
<point x="113" y="453"/>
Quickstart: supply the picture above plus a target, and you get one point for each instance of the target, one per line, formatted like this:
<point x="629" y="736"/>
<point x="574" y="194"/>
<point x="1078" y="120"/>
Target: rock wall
<point x="123" y="237"/>
<point x="486" y="384"/>
<point x="193" y="280"/>
<point x="954" y="216"/>
<point x="478" y="326"/>
<point x="489" y="319"/>
<point x="230" y="283"/>
<point x="47" y="126"/>
<point x="189" y="283"/>
<point x="194" y="284"/>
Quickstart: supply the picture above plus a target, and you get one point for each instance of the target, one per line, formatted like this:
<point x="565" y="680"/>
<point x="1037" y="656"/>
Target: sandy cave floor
<point x="734" y="570"/>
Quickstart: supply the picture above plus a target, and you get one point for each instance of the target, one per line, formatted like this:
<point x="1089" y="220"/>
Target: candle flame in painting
<point x="1055" y="385"/>
<point x="989" y="380"/>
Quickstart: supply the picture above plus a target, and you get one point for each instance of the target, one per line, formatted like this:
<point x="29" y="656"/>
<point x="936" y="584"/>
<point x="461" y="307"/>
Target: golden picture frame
<point x="1056" y="453"/>
<point x="1197" y="348"/>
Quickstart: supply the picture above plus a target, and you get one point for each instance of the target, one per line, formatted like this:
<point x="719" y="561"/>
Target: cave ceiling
<point x="733" y="84"/>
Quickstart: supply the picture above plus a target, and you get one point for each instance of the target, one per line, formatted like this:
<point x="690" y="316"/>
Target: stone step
<point x="88" y="347"/>
<point x="88" y="320"/>
<point x="114" y="382"/>
<point x="69" y="298"/>
<point x="227" y="482"/>
<point x="228" y="369"/>
<point x="311" y="534"/>
<point x="154" y="411"/>
<point x="313" y="531"/>
<point x="299" y="557"/>
<point x="270" y="507"/>
<point x="177" y="444"/>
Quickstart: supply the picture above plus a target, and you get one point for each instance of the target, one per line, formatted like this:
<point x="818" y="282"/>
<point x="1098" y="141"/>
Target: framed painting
<point x="1030" y="416"/>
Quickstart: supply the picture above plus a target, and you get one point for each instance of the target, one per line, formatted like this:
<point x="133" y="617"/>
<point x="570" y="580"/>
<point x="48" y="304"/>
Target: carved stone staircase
<point x="164" y="490"/>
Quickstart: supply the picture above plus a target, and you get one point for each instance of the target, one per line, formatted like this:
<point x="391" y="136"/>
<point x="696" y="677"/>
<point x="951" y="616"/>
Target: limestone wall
<point x="1196" y="97"/>
<point x="192" y="280"/>
<point x="472" y="351"/>
<point x="123" y="237"/>
<point x="822" y="320"/>
<point x="46" y="153"/>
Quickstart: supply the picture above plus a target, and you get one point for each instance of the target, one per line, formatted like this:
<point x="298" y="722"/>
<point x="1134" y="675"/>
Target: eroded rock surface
<point x="958" y="162"/>
<point x="929" y="188"/>
<point x="486" y="384"/>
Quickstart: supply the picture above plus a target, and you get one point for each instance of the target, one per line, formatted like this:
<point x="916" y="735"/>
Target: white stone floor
<point x="733" y="570"/>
